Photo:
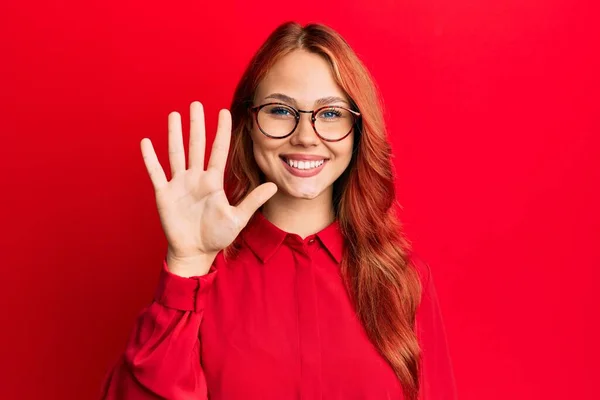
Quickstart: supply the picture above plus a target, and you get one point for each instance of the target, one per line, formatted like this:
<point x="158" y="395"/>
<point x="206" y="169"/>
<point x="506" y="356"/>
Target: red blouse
<point x="275" y="323"/>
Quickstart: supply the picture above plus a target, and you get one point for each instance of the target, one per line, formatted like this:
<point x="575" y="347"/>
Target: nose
<point x="304" y="134"/>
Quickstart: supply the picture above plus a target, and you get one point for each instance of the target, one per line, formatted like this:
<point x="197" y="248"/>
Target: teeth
<point x="305" y="164"/>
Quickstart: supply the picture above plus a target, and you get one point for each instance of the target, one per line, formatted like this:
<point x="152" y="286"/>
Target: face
<point x="305" y="81"/>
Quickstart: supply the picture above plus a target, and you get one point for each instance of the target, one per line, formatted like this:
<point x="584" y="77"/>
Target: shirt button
<point x="311" y="241"/>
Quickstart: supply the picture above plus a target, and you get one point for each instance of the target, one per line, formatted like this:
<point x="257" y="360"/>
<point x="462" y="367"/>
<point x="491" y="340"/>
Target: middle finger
<point x="197" y="136"/>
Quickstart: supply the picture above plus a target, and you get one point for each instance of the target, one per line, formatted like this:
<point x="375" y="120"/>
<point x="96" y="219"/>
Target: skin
<point x="302" y="205"/>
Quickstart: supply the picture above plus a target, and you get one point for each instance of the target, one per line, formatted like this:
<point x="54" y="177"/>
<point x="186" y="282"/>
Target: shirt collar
<point x="264" y="238"/>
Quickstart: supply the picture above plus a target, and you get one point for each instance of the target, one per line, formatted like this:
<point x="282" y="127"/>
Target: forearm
<point x="162" y="357"/>
<point x="161" y="360"/>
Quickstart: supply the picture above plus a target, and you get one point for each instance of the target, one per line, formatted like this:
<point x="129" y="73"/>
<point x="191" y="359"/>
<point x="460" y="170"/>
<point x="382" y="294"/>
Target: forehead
<point x="301" y="75"/>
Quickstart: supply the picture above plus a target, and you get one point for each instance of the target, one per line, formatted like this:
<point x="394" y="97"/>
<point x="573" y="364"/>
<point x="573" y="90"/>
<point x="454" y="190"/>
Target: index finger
<point x="220" y="148"/>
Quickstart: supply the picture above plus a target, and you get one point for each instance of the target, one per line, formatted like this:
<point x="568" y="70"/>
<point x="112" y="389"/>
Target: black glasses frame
<point x="256" y="109"/>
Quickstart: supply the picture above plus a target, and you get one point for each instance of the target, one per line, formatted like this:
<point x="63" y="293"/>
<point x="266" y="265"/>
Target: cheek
<point x="344" y="151"/>
<point x="263" y="149"/>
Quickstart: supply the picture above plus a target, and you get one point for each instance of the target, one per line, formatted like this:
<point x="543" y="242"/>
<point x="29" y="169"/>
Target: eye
<point x="278" y="111"/>
<point x="330" y="113"/>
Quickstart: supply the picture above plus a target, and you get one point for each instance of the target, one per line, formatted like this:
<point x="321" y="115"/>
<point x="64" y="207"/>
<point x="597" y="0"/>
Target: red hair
<point x="382" y="283"/>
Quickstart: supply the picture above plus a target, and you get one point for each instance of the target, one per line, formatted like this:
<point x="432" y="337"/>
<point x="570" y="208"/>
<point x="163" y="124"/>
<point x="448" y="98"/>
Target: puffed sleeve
<point x="161" y="359"/>
<point x="437" y="375"/>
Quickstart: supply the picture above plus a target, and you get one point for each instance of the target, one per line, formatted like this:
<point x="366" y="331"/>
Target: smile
<point x="304" y="164"/>
<point x="303" y="168"/>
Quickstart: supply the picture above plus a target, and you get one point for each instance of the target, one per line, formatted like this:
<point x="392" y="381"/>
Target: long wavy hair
<point x="382" y="283"/>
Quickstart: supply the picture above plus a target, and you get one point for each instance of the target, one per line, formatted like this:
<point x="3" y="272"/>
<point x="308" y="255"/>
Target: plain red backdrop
<point x="493" y="114"/>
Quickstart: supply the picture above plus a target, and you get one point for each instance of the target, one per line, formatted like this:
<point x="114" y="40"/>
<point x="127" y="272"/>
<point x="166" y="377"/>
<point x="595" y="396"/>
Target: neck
<point x="303" y="217"/>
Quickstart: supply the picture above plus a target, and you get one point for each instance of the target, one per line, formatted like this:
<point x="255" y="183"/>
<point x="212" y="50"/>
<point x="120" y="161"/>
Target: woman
<point x="286" y="276"/>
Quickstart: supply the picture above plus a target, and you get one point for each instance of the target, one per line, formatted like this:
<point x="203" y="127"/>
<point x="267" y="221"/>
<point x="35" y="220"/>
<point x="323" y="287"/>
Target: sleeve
<point x="437" y="374"/>
<point x="162" y="357"/>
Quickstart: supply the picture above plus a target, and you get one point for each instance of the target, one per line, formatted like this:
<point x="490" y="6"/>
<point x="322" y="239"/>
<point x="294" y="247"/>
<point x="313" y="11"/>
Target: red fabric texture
<point x="274" y="323"/>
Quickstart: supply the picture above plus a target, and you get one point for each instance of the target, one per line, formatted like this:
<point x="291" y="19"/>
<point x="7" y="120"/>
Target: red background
<point x="493" y="114"/>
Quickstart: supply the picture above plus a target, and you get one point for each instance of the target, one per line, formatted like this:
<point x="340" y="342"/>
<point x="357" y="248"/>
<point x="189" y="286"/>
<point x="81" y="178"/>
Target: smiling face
<point x="302" y="165"/>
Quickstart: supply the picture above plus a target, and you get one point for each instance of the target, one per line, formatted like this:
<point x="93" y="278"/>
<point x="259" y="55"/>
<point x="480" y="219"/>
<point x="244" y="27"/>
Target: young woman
<point x="286" y="275"/>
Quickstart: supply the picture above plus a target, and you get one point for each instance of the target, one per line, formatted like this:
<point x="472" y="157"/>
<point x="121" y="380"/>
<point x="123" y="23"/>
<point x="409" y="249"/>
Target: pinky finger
<point x="157" y="175"/>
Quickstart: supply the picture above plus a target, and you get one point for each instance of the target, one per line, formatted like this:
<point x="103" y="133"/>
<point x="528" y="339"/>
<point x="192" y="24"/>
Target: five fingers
<point x="218" y="157"/>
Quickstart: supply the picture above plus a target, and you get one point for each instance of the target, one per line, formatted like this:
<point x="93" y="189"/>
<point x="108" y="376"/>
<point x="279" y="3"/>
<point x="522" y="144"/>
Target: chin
<point x="307" y="194"/>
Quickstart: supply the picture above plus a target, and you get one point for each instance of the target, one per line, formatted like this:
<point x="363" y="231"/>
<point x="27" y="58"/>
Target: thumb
<point x="254" y="200"/>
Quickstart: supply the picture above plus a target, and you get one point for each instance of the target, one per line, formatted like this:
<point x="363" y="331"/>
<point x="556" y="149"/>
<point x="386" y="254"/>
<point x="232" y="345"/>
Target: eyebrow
<point x="320" y="102"/>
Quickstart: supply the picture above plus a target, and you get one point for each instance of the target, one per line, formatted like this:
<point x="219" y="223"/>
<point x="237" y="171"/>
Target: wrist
<point x="190" y="265"/>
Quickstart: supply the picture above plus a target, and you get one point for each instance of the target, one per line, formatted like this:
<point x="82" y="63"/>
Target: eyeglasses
<point x="330" y="123"/>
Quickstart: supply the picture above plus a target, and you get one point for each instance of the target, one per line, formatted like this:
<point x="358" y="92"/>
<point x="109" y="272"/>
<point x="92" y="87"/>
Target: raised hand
<point x="195" y="214"/>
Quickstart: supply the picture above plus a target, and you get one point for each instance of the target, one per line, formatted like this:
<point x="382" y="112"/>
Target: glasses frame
<point x="256" y="109"/>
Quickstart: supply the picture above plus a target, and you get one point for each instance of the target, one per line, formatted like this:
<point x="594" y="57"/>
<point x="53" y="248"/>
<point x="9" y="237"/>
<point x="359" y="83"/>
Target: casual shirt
<point x="276" y="322"/>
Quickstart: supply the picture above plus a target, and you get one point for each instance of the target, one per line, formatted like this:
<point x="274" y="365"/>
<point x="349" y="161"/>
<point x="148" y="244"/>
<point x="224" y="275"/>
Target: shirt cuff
<point x="185" y="294"/>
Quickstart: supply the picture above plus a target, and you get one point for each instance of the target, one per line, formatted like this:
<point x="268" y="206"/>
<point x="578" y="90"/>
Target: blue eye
<point x="282" y="111"/>
<point x="330" y="114"/>
<point x="279" y="112"/>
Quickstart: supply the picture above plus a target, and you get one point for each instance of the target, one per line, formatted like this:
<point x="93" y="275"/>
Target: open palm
<point x="195" y="214"/>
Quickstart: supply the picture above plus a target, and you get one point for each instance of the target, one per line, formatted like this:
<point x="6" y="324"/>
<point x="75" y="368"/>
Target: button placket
<point x="310" y="340"/>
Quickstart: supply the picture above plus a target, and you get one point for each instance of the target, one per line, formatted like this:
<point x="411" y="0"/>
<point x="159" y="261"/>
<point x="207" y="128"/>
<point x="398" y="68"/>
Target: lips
<point x="304" y="168"/>
<point x="302" y="157"/>
<point x="304" y="164"/>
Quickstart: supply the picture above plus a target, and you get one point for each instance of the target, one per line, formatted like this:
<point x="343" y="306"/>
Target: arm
<point x="437" y="375"/>
<point x="162" y="359"/>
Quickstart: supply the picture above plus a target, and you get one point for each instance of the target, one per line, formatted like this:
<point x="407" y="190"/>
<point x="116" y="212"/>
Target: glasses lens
<point x="334" y="122"/>
<point x="277" y="120"/>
